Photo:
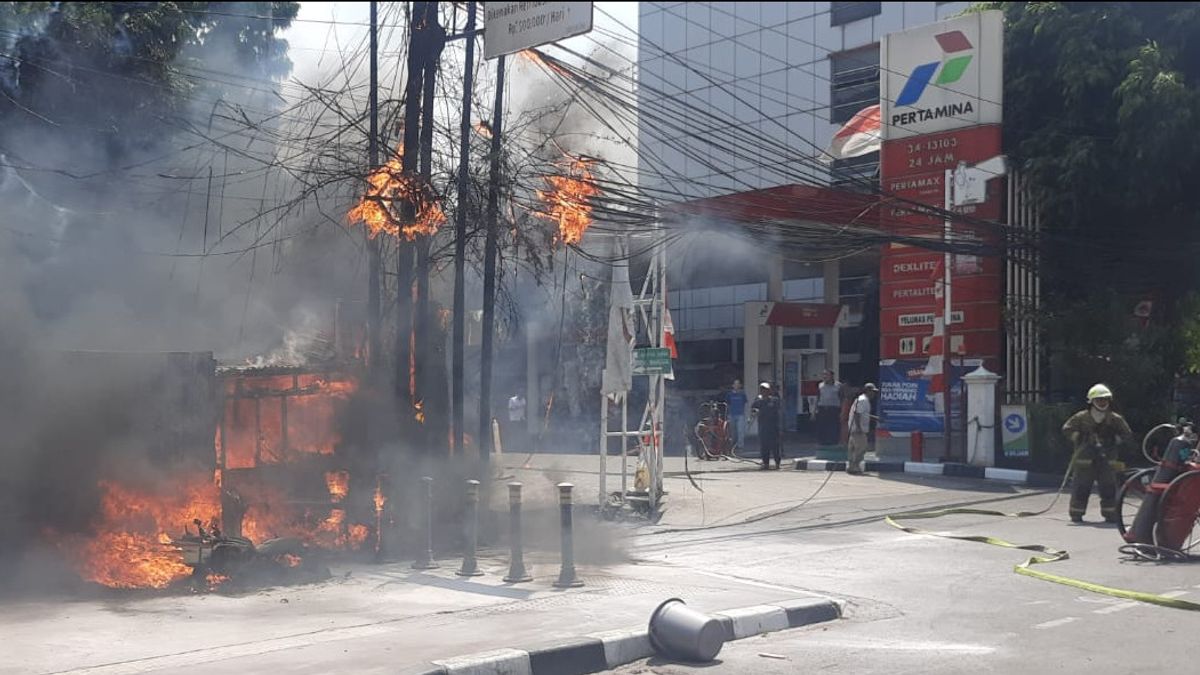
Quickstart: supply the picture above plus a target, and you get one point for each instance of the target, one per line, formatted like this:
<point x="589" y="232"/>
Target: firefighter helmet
<point x="1098" y="391"/>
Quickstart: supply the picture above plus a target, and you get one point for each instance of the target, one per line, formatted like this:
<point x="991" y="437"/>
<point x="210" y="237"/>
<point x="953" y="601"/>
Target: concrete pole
<point x="533" y="394"/>
<point x="947" y="314"/>
<point x="832" y="273"/>
<point x="751" y="336"/>
<point x="775" y="294"/>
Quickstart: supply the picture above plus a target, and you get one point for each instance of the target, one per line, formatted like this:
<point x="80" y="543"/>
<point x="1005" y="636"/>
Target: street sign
<point x="652" y="361"/>
<point x="510" y="27"/>
<point x="1015" y="431"/>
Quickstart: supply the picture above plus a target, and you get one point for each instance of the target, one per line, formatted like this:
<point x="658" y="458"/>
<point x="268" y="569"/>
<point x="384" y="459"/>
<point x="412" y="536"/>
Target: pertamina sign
<point x="944" y="76"/>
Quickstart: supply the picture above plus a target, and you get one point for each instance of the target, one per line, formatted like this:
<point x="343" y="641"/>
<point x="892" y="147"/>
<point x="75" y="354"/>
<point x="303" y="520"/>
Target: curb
<point x="951" y="469"/>
<point x="603" y="651"/>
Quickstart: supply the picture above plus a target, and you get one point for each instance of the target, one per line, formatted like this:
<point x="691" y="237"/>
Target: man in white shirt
<point x="860" y="425"/>
<point x="829" y="409"/>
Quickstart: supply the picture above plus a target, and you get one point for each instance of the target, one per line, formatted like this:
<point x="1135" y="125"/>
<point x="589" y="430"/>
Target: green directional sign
<point x="651" y="361"/>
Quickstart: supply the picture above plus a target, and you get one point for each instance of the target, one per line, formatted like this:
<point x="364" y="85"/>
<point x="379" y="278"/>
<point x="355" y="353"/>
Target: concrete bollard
<point x="516" y="566"/>
<point x="681" y="633"/>
<point x="470" y="566"/>
<point x="425" y="561"/>
<point x="566" y="578"/>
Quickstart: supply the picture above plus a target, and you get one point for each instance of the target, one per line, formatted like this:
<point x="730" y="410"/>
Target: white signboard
<point x="510" y="27"/>
<point x="944" y="76"/>
<point x="926" y="318"/>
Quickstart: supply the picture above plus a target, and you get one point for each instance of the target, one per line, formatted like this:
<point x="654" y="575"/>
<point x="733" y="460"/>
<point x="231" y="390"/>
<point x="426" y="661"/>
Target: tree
<point x="119" y="76"/>
<point x="1101" y="101"/>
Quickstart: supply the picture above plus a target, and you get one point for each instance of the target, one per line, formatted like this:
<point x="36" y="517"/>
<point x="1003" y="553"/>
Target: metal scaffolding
<point x="650" y="310"/>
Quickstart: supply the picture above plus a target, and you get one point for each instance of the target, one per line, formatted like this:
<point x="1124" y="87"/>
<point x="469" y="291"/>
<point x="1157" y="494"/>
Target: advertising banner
<point x="908" y="403"/>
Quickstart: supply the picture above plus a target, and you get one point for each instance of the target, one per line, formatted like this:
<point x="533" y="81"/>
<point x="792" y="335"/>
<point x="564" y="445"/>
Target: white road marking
<point x="1173" y="594"/>
<point x="746" y="582"/>
<point x="902" y="645"/>
<point x="1120" y="607"/>
<point x="1057" y="622"/>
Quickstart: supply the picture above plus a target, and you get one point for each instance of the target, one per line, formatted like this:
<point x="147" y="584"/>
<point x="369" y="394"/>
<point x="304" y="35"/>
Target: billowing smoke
<point x="141" y="232"/>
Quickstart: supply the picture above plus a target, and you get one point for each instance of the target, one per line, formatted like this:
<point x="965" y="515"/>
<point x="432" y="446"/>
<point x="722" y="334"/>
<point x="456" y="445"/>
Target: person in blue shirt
<point x="735" y="399"/>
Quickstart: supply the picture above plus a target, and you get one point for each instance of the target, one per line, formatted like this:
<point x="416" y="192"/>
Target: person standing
<point x="735" y="404"/>
<point x="766" y="410"/>
<point x="829" y="409"/>
<point x="1096" y="435"/>
<point x="859" y="423"/>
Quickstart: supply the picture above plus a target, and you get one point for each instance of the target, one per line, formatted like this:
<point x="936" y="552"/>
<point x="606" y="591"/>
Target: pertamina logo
<point x="949" y="70"/>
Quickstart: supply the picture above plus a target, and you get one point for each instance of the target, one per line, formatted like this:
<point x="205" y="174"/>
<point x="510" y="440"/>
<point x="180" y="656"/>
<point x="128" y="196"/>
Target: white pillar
<point x="775" y="294"/>
<point x="750" y="339"/>
<point x="832" y="272"/>
<point x="981" y="416"/>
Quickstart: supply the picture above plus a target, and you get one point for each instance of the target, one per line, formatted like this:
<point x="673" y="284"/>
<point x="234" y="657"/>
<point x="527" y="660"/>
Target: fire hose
<point x="1026" y="568"/>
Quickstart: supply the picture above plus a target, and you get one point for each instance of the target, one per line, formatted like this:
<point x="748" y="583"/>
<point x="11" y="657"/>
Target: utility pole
<point x="460" y="234"/>
<point x="374" y="256"/>
<point x="423" y="351"/>
<point x="489" y="277"/>
<point x="404" y="254"/>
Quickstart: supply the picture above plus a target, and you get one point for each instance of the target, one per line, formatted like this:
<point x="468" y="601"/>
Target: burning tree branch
<point x="388" y="185"/>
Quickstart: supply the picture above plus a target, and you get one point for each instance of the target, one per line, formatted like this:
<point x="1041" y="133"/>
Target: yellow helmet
<point x="1098" y="391"/>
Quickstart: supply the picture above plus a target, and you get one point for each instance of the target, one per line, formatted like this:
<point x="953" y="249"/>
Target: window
<point x="845" y="12"/>
<point x="856" y="174"/>
<point x="853" y="82"/>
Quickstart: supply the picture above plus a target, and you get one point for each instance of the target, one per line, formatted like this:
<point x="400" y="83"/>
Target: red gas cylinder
<point x="917" y="446"/>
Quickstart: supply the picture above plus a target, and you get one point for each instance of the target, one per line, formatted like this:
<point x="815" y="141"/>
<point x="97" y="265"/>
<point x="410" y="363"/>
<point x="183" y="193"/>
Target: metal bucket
<point x="683" y="634"/>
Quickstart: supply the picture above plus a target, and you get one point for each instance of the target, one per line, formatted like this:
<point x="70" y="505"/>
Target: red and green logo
<point x="952" y="66"/>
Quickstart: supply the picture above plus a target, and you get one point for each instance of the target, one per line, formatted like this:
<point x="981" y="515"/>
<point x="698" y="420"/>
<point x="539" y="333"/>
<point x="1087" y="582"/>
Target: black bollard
<point x="516" y="568"/>
<point x="470" y="566"/>
<point x="566" y="578"/>
<point x="425" y="561"/>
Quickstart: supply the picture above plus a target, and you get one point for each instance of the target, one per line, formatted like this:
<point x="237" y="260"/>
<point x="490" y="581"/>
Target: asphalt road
<point x="921" y="604"/>
<point x="732" y="537"/>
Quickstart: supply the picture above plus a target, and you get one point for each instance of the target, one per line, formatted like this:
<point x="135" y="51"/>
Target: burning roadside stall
<point x="242" y="475"/>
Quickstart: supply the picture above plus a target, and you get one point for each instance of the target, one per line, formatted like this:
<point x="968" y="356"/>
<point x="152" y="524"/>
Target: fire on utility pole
<point x="373" y="243"/>
<point x="404" y="250"/>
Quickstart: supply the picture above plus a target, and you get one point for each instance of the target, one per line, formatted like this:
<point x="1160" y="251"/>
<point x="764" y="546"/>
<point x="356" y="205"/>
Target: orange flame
<point x="131" y="545"/>
<point x="483" y="128"/>
<point x="419" y="411"/>
<point x="335" y="533"/>
<point x="290" y="560"/>
<point x="569" y="200"/>
<point x="380" y="502"/>
<point x="215" y="580"/>
<point x="542" y="60"/>
<point x="338" y="483"/>
<point x="387" y="185"/>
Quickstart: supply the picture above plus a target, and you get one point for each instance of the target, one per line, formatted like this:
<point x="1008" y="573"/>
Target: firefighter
<point x="1096" y="434"/>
